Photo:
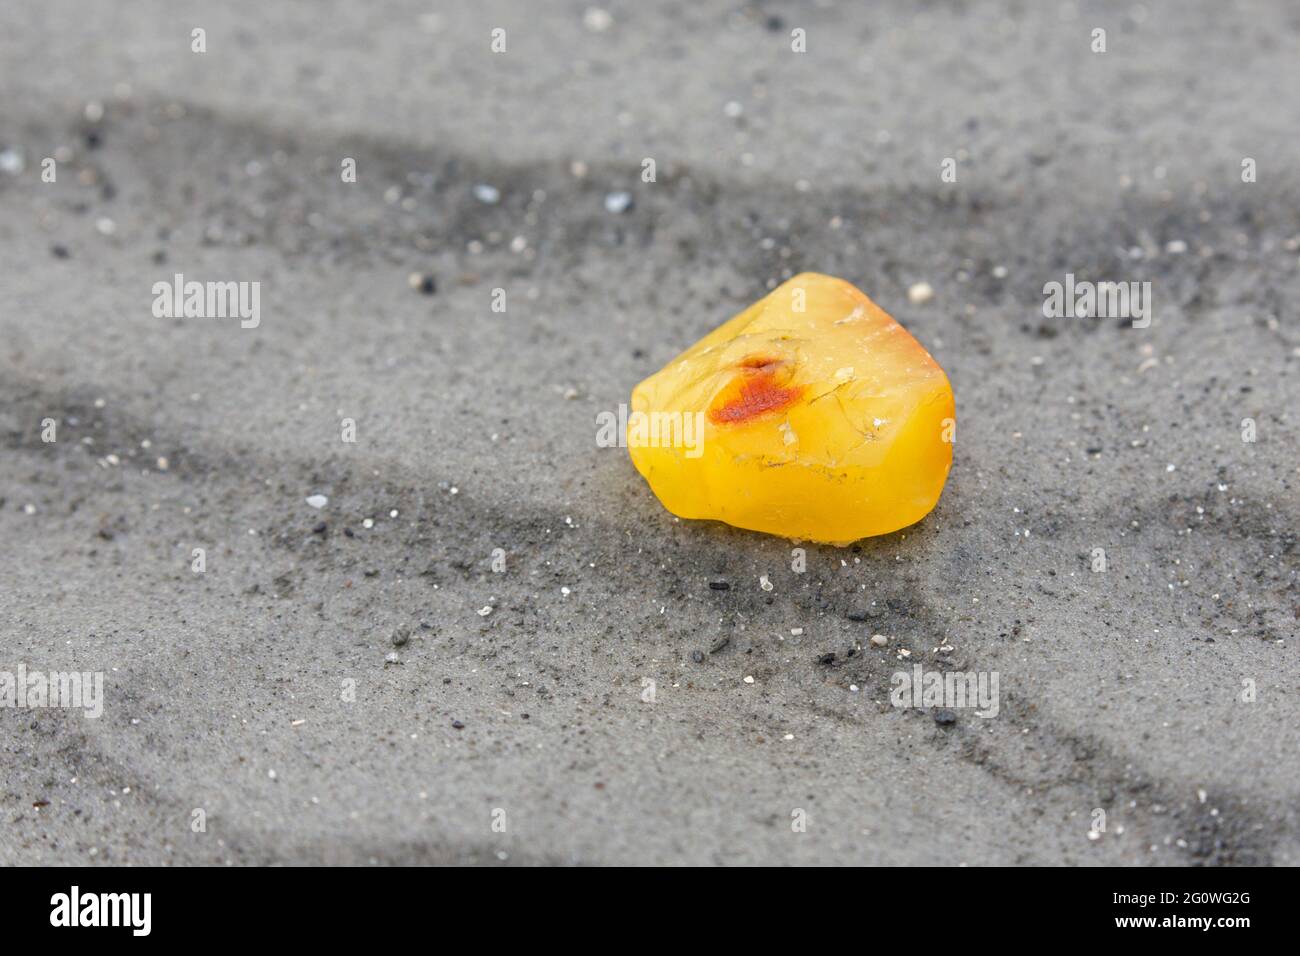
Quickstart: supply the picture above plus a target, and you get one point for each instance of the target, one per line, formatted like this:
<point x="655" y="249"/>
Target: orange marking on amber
<point x="755" y="393"/>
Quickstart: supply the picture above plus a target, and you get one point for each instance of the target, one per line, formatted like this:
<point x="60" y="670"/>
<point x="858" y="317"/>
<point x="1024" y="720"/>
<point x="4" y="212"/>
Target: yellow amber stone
<point x="812" y="414"/>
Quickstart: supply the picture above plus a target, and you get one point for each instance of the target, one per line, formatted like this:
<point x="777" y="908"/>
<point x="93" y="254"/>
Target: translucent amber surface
<point x="822" y="419"/>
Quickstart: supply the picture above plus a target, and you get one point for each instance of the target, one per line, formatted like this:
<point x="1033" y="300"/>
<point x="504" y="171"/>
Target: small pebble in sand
<point x="618" y="202"/>
<point x="317" y="501"/>
<point x="920" y="293"/>
<point x="422" y="282"/>
<point x="749" y="680"/>
<point x="484" y="611"/>
<point x="401" y="636"/>
<point x="597" y="20"/>
<point x="764" y="583"/>
<point x="11" y="161"/>
<point x="879" y="640"/>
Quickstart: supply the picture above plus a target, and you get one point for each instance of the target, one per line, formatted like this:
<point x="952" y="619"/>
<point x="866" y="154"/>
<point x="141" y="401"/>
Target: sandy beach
<point x="350" y="681"/>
